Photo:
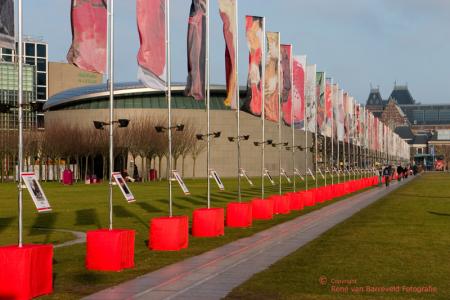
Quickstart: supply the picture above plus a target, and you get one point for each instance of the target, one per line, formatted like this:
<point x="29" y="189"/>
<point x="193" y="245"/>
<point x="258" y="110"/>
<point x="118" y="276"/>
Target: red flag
<point x="286" y="83"/>
<point x="272" y="76"/>
<point x="151" y="17"/>
<point x="89" y="35"/>
<point x="196" y="46"/>
<point x="298" y="101"/>
<point x="228" y="13"/>
<point x="254" y="30"/>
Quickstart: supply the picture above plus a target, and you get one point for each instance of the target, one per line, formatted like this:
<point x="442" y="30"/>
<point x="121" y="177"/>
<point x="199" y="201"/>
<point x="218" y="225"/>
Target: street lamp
<point x="267" y="142"/>
<point x="238" y="139"/>
<point x="215" y="135"/>
<point x="123" y="123"/>
<point x="178" y="127"/>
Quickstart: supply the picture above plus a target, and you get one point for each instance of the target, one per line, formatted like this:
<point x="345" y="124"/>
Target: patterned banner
<point x="320" y="94"/>
<point x="228" y="13"/>
<point x="254" y="30"/>
<point x="151" y="18"/>
<point x="310" y="95"/>
<point x="7" y="24"/>
<point x="335" y="117"/>
<point x="89" y="35"/>
<point x="286" y="80"/>
<point x="340" y="119"/>
<point x="328" y="125"/>
<point x="196" y="48"/>
<point x="346" y="118"/>
<point x="272" y="76"/>
<point x="299" y="91"/>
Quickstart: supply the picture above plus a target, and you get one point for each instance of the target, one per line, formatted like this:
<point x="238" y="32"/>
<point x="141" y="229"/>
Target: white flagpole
<point x="208" y="134"/>
<point x="332" y="136"/>
<point x="263" y="110"/>
<point x="291" y="69"/>
<point x="279" y="114"/>
<point x="20" y="104"/>
<point x="111" y="104"/>
<point x="238" y="102"/>
<point x="315" y="132"/>
<point x="169" y="103"/>
<point x="305" y="122"/>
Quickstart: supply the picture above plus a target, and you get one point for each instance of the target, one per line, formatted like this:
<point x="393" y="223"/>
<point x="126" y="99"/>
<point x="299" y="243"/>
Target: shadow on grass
<point x="174" y="203"/>
<point x="122" y="212"/>
<point x="5" y="222"/>
<point x="43" y="221"/>
<point x="87" y="217"/>
<point x="439" y="214"/>
<point x="148" y="207"/>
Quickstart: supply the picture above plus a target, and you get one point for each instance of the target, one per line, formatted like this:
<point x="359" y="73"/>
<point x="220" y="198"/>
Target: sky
<point x="358" y="43"/>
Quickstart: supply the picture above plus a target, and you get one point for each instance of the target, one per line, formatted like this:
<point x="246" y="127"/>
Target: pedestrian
<point x="399" y="173"/>
<point x="386" y="174"/>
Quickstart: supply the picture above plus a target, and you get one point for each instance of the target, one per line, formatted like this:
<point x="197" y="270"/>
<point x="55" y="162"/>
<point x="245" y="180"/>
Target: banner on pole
<point x="196" y="47"/>
<point x="320" y="96"/>
<point x="255" y="41"/>
<point x="181" y="182"/>
<point x="36" y="192"/>
<point x="123" y="187"/>
<point x="7" y="24"/>
<point x="151" y="21"/>
<point x="217" y="179"/>
<point x="243" y="173"/>
<point x="328" y="108"/>
<point x="340" y="117"/>
<point x="89" y="35"/>
<point x="286" y="83"/>
<point x="228" y="13"/>
<point x="272" y="76"/>
<point x="298" y="101"/>
<point x="310" y="95"/>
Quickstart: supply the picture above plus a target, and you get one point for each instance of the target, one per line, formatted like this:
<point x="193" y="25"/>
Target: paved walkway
<point x="214" y="274"/>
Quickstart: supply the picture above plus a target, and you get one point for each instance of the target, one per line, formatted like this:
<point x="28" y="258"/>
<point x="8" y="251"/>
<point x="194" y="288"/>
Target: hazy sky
<point x="357" y="42"/>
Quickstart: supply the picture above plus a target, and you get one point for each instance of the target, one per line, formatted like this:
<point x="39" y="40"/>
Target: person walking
<point x="399" y="173"/>
<point x="386" y="174"/>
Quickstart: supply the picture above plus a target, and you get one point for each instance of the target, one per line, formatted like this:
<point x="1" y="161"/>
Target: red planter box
<point x="309" y="198"/>
<point x="296" y="201"/>
<point x="169" y="233"/>
<point x="262" y="209"/>
<point x="281" y="204"/>
<point x="319" y="195"/>
<point x="26" y="272"/>
<point x="239" y="214"/>
<point x="208" y="222"/>
<point x="110" y="250"/>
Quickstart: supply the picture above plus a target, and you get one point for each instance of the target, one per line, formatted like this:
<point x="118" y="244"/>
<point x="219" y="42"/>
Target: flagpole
<point x="169" y="104"/>
<point x="291" y="69"/>
<point x="332" y="136"/>
<point x="111" y="104"/>
<point x="279" y="113"/>
<point x="238" y="102"/>
<point x="263" y="110"/>
<point x="315" y="132"/>
<point x="305" y="122"/>
<point x="208" y="115"/>
<point x="20" y="117"/>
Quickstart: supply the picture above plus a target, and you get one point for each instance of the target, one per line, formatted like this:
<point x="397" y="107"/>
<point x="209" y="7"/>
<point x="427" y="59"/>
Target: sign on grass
<point x="243" y="173"/>
<point x="297" y="172"/>
<point x="123" y="187"/>
<point x="36" y="192"/>
<point x="181" y="182"/>
<point x="217" y="179"/>
<point x="283" y="172"/>
<point x="267" y="174"/>
<point x="311" y="173"/>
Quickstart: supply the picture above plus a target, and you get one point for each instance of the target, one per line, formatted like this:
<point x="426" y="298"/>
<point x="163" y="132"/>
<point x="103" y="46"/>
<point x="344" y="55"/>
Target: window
<point x="431" y="115"/>
<point x="41" y="65"/>
<point x="41" y="50"/>
<point x="30" y="61"/>
<point x="7" y="58"/>
<point x="419" y="150"/>
<point x="41" y="93"/>
<point x="41" y="79"/>
<point x="418" y="115"/>
<point x="30" y="49"/>
<point x="444" y="115"/>
<point x="7" y="51"/>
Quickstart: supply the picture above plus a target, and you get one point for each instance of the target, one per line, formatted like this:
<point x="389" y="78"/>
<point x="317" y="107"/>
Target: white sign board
<point x="242" y="173"/>
<point x="217" y="179"/>
<point x="267" y="174"/>
<point x="297" y="172"/>
<point x="283" y="172"/>
<point x="36" y="192"/>
<point x="123" y="187"/>
<point x="181" y="182"/>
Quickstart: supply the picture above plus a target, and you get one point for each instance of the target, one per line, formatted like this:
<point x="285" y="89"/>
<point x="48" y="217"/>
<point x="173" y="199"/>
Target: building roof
<point x="405" y="133"/>
<point x="402" y="95"/>
<point x="95" y="93"/>
<point x="374" y="98"/>
<point x="421" y="139"/>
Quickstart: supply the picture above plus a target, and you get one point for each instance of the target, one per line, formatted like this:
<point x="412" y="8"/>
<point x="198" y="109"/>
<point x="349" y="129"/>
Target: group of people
<point x="389" y="172"/>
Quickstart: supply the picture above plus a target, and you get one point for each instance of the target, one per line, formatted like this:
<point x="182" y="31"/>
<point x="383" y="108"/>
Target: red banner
<point x="254" y="30"/>
<point x="272" y="77"/>
<point x="89" y="35"/>
<point x="151" y="15"/>
<point x="299" y="67"/>
<point x="286" y="79"/>
<point x="196" y="46"/>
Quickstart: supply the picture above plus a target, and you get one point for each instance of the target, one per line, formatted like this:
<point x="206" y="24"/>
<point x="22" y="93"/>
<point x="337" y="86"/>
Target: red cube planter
<point x="110" y="250"/>
<point x="26" y="272"/>
<point x="281" y="204"/>
<point x="239" y="214"/>
<point x="296" y="201"/>
<point x="309" y="198"/>
<point x="169" y="233"/>
<point x="262" y="209"/>
<point x="208" y="222"/>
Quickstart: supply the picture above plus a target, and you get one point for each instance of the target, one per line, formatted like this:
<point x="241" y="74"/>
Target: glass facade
<point x="8" y="95"/>
<point x="35" y="54"/>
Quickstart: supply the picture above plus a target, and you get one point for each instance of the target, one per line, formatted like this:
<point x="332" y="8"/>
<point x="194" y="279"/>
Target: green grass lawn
<point x="82" y="207"/>
<point x="401" y="240"/>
